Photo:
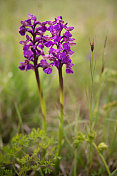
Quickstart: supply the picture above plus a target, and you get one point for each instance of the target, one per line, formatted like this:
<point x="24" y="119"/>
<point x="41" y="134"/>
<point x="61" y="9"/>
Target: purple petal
<point x="27" y="53"/>
<point x="72" y="43"/>
<point x="51" y="50"/>
<point x="26" y="47"/>
<point x="30" y="16"/>
<point x="66" y="60"/>
<point x="49" y="22"/>
<point x="28" y="21"/>
<point x="41" y="46"/>
<point x="62" y="56"/>
<point x="43" y="62"/>
<point x="66" y="47"/>
<point x="22" y="30"/>
<point x="43" y="28"/>
<point x="49" y="43"/>
<point x="69" y="28"/>
<point x="29" y="66"/>
<point x="33" y="47"/>
<point x="57" y="38"/>
<point x="37" y="22"/>
<point x="22" y="67"/>
<point x="56" y="63"/>
<point x="23" y="42"/>
<point x="44" y="23"/>
<point x="29" y="30"/>
<point x="71" y="39"/>
<point x="51" y="28"/>
<point x="59" y="17"/>
<point x="69" y="70"/>
<point x="27" y="37"/>
<point x="70" y="53"/>
<point x="58" y="27"/>
<point x="47" y="70"/>
<point x="67" y="34"/>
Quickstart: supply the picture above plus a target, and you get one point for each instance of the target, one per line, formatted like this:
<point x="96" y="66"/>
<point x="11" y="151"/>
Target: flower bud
<point x="92" y="45"/>
<point x="91" y="136"/>
<point x="102" y="146"/>
<point x="79" y="139"/>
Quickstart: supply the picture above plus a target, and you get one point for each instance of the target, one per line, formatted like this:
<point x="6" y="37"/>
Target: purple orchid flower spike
<point x="32" y="49"/>
<point x="35" y="41"/>
<point x="60" y="44"/>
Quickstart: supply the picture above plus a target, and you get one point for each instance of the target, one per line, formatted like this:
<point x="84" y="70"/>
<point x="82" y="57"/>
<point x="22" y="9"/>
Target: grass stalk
<point x="91" y="100"/>
<point x="91" y="91"/>
<point x="76" y="149"/>
<point x="1" y="142"/>
<point x="98" y="99"/>
<point x="41" y="173"/>
<point x="20" y="126"/>
<point x="100" y="84"/>
<point x="75" y="162"/>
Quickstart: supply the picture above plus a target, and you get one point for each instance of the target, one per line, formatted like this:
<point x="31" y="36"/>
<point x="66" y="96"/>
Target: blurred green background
<point x="92" y="19"/>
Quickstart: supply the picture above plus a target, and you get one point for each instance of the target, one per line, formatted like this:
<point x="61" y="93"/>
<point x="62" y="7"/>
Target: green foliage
<point x="5" y="172"/>
<point x="26" y="153"/>
<point x="114" y="173"/>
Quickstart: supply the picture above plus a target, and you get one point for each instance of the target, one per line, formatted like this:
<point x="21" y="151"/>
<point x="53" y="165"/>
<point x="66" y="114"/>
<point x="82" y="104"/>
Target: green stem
<point x="99" y="90"/>
<point x="102" y="158"/>
<point x="98" y="99"/>
<point x="42" y="102"/>
<point x="60" y="135"/>
<point x="61" y="109"/>
<point x="1" y="142"/>
<point x="75" y="162"/>
<point x="91" y="92"/>
<point x="90" y="155"/>
<point x="15" y="170"/>
<point x="91" y="105"/>
<point x="43" y="106"/>
<point x="41" y="172"/>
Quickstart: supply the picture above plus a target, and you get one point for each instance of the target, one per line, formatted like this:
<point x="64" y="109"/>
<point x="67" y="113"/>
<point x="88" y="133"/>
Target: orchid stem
<point x="43" y="106"/>
<point x="61" y="109"/>
<point x="60" y="135"/>
<point x="42" y="102"/>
